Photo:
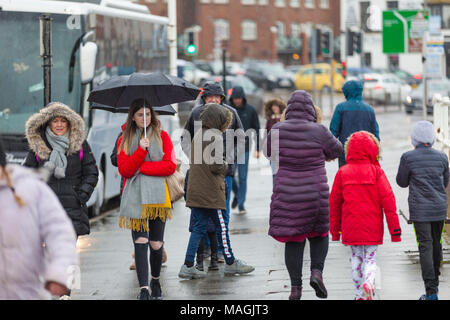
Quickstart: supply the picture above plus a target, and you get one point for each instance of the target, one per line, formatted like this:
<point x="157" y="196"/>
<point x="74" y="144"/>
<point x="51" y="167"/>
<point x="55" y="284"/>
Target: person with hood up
<point x="299" y="205"/>
<point x="145" y="158"/>
<point x="425" y="171"/>
<point x="213" y="93"/>
<point x="206" y="190"/>
<point x="360" y="194"/>
<point x="250" y="120"/>
<point x="56" y="136"/>
<point x="353" y="115"/>
<point x="31" y="214"/>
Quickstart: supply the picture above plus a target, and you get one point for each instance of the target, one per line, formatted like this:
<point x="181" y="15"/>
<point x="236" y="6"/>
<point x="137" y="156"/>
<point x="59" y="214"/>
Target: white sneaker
<point x="191" y="272"/>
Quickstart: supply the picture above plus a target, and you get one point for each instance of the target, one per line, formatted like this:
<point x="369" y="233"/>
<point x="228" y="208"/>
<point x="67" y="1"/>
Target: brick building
<point x="258" y="29"/>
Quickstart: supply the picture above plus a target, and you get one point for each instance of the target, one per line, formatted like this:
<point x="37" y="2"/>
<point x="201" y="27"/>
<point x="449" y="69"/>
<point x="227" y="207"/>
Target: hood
<point x="362" y="146"/>
<point x="301" y="106"/>
<point x="215" y="116"/>
<point x="423" y="132"/>
<point x="19" y="174"/>
<point x="38" y="121"/>
<point x="353" y="89"/>
<point x="238" y="92"/>
<point x="213" y="88"/>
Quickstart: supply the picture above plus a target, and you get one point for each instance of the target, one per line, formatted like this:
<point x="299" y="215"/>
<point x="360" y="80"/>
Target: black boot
<point x="155" y="286"/>
<point x="213" y="265"/>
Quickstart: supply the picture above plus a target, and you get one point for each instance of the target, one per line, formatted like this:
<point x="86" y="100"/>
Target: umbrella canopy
<point x="162" y="111"/>
<point x="157" y="88"/>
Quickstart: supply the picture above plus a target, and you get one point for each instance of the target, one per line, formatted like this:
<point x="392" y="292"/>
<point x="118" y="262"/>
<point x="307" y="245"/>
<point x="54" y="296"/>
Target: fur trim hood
<point x="216" y="116"/>
<point x="37" y="123"/>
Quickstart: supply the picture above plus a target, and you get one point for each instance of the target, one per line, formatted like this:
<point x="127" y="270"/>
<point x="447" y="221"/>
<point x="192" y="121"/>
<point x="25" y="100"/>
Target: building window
<point x="325" y="4"/>
<point x="309" y="3"/>
<point x="263" y="2"/>
<point x="220" y="1"/>
<point x="295" y="29"/>
<point x="205" y="1"/>
<point x="281" y="30"/>
<point x="223" y="28"/>
<point x="364" y="15"/>
<point x="392" y="5"/>
<point x="295" y="3"/>
<point x="248" y="2"/>
<point x="279" y="3"/>
<point x="249" y="30"/>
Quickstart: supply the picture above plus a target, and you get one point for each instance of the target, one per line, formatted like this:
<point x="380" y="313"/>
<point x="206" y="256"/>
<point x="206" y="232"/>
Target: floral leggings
<point x="364" y="267"/>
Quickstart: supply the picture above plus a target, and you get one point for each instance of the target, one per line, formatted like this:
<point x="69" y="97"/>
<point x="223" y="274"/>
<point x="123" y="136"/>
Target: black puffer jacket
<point x="76" y="188"/>
<point x="425" y="171"/>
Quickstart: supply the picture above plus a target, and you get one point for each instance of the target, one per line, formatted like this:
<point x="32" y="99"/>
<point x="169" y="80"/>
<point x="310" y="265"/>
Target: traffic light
<point x="191" y="47"/>
<point x="358" y="42"/>
<point x="344" y="69"/>
<point x="354" y="42"/>
<point x="318" y="42"/>
<point x="325" y="43"/>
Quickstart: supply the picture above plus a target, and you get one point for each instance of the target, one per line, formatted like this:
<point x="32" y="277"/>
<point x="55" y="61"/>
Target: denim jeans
<point x="199" y="230"/>
<point x="240" y="188"/>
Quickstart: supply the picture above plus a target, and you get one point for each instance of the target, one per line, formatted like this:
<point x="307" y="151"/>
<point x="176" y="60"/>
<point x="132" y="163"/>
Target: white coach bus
<point x="90" y="43"/>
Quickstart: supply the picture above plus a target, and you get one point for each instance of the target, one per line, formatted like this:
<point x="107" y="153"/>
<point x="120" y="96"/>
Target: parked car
<point x="188" y="71"/>
<point x="357" y="73"/>
<point x="406" y="77"/>
<point x="384" y="88"/>
<point x="268" y="76"/>
<point x="304" y="77"/>
<point x="414" y="100"/>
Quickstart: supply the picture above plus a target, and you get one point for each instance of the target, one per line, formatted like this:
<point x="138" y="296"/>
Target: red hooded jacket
<point x="359" y="195"/>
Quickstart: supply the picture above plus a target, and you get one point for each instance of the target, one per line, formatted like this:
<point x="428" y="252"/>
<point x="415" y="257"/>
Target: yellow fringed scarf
<point x="148" y="212"/>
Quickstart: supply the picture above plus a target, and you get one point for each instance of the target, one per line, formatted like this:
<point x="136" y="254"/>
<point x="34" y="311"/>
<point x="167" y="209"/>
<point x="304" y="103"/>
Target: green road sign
<point x="403" y="30"/>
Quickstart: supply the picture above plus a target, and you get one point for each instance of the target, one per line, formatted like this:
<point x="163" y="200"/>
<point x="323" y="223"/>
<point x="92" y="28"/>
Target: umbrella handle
<point x="145" y="122"/>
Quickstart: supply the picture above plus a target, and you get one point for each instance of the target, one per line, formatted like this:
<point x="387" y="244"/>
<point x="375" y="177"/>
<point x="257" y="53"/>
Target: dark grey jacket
<point x="425" y="170"/>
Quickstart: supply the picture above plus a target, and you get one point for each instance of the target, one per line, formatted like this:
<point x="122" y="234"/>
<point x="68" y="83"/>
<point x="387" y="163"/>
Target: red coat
<point x="359" y="195"/>
<point x="130" y="164"/>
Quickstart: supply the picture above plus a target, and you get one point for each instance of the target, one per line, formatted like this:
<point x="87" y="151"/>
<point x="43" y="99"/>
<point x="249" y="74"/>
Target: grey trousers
<point x="429" y="237"/>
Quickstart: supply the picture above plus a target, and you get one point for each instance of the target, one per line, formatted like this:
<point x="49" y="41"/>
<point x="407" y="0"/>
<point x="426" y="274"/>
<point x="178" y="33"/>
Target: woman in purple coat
<point x="299" y="207"/>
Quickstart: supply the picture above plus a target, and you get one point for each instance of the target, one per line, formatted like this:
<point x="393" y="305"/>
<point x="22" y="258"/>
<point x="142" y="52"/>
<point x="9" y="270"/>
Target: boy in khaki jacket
<point x="206" y="190"/>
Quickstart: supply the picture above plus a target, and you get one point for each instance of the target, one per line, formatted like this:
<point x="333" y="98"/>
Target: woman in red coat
<point x="359" y="195"/>
<point x="144" y="161"/>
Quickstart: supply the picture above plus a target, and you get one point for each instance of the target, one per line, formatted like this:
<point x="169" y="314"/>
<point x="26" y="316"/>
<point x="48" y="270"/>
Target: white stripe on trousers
<point x="223" y="234"/>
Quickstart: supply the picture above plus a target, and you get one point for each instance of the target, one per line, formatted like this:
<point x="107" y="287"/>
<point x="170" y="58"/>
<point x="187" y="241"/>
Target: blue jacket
<point x="425" y="171"/>
<point x="353" y="115"/>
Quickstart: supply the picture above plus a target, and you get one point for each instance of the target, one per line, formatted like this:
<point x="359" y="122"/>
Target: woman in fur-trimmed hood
<point x="56" y="137"/>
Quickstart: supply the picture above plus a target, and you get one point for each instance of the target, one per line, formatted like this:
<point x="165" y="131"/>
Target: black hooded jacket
<point x="213" y="88"/>
<point x="248" y="115"/>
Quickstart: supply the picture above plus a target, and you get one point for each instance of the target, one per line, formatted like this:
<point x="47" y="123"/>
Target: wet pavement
<point x="105" y="254"/>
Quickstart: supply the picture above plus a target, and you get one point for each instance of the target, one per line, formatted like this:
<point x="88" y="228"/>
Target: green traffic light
<point x="191" y="49"/>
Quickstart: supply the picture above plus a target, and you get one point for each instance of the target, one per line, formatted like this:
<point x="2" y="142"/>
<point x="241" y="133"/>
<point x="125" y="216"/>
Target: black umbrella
<point x="157" y="88"/>
<point x="162" y="111"/>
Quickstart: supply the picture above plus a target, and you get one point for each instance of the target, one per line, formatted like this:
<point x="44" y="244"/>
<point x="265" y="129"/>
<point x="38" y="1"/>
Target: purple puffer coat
<point x="300" y="193"/>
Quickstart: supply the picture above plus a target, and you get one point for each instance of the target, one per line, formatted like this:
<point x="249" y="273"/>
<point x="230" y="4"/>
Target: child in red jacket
<point x="359" y="195"/>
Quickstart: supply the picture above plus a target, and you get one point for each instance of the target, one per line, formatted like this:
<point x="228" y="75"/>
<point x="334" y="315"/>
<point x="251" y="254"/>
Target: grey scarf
<point x="141" y="189"/>
<point x="57" y="162"/>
